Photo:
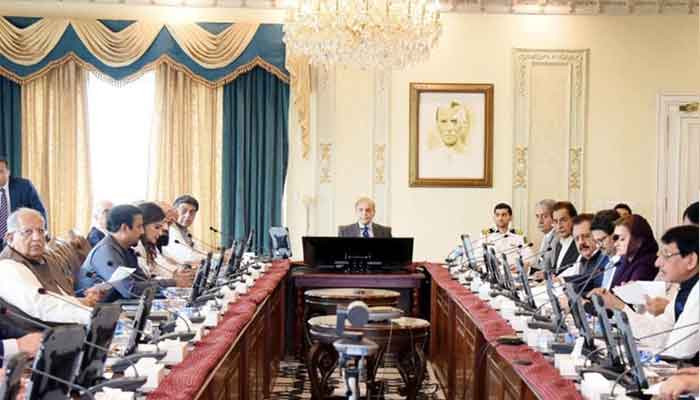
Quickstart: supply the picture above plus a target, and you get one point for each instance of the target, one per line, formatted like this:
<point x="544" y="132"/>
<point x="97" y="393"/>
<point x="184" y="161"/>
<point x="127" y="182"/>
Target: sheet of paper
<point x="571" y="271"/>
<point x="121" y="273"/>
<point x="653" y="390"/>
<point x="635" y="292"/>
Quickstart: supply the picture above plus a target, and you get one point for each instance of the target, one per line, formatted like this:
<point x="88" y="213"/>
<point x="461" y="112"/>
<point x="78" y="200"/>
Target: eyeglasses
<point x="30" y="232"/>
<point x="666" y="256"/>
<point x="601" y="242"/>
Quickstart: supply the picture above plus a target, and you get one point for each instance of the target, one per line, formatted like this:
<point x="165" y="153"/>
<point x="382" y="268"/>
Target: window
<point x="120" y="120"/>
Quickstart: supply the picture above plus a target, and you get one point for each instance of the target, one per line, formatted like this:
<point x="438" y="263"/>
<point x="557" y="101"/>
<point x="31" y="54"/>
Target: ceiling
<point x="586" y="7"/>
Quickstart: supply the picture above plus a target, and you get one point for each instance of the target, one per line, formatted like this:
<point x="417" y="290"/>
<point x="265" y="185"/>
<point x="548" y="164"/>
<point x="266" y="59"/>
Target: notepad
<point x="636" y="292"/>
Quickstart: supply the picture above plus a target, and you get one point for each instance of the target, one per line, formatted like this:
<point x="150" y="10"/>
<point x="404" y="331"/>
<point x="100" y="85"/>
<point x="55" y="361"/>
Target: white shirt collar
<point x="7" y="186"/>
<point x="369" y="226"/>
<point x="566" y="242"/>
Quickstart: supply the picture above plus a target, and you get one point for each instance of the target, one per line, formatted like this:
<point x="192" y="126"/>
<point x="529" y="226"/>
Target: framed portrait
<point x="451" y="130"/>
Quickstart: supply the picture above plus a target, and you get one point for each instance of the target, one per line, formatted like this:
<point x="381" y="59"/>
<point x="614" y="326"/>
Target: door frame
<point x="667" y="103"/>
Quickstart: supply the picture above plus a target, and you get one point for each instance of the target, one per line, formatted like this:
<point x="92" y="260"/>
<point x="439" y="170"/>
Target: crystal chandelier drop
<point x="383" y="34"/>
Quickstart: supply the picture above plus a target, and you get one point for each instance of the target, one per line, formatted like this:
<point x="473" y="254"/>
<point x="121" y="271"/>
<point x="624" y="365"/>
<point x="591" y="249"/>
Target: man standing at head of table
<point x="365" y="210"/>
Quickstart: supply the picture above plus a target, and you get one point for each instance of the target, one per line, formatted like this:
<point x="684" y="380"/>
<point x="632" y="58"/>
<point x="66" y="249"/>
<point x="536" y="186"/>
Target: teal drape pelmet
<point x="11" y="124"/>
<point x="255" y="154"/>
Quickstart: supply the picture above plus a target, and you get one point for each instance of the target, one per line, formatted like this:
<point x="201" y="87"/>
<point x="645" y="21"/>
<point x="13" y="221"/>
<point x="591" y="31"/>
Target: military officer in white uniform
<point x="496" y="235"/>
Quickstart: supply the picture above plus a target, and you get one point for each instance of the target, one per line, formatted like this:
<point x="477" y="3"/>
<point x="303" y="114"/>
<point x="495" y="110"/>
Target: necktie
<point x="365" y="231"/>
<point x="3" y="213"/>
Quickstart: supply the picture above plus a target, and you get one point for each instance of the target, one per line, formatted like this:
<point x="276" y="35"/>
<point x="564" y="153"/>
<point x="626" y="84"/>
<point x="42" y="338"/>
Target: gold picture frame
<point x="451" y="135"/>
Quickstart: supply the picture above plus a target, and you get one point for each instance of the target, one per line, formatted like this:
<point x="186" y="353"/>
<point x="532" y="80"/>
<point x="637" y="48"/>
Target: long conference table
<point x="239" y="359"/>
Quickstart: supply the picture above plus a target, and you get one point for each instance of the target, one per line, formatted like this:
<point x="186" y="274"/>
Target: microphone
<point x="485" y="238"/>
<point x="537" y="310"/>
<point x="192" y="248"/>
<point x="7" y="311"/>
<point x="222" y="234"/>
<point x="677" y="328"/>
<point x="175" y="313"/>
<point x="649" y="336"/>
<point x="202" y="242"/>
<point x="45" y="292"/>
<point x="62" y="381"/>
<point x="583" y="287"/>
<point x="649" y="360"/>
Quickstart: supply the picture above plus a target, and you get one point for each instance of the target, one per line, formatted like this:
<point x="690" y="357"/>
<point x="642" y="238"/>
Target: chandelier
<point x="383" y="34"/>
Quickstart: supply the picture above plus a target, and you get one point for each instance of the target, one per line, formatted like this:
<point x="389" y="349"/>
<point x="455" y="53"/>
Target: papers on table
<point x="121" y="273"/>
<point x="635" y="292"/>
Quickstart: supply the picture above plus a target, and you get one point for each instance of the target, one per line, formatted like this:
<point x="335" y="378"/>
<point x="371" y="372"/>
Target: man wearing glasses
<point x="678" y="262"/>
<point x="25" y="271"/>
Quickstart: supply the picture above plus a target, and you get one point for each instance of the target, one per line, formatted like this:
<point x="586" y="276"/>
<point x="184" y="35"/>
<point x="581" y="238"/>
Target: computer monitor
<point x="579" y="316"/>
<point x="142" y="313"/>
<point x="11" y="382"/>
<point x="613" y="356"/>
<point x="198" y="282"/>
<point x="281" y="248"/>
<point x="529" y="298"/>
<point x="357" y="254"/>
<point x="507" y="274"/>
<point x="554" y="302"/>
<point x="639" y="380"/>
<point x="58" y="356"/>
<point x="216" y="271"/>
<point x="500" y="280"/>
<point x="468" y="250"/>
<point x="100" y="331"/>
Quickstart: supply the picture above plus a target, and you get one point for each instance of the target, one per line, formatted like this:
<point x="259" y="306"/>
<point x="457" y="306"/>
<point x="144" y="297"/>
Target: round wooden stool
<point x="404" y="337"/>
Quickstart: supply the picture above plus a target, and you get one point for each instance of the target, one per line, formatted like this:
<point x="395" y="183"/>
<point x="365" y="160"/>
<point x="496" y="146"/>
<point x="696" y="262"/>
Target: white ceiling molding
<point x="546" y="7"/>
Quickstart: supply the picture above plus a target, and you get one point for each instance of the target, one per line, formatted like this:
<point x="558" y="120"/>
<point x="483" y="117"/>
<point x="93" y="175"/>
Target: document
<point x="636" y="292"/>
<point x="121" y="273"/>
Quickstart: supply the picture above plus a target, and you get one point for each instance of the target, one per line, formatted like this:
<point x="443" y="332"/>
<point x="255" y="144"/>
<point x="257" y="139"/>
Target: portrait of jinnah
<point x="452" y="124"/>
<point x="451" y="140"/>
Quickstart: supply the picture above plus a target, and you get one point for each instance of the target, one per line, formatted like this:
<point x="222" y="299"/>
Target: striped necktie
<point x="3" y="213"/>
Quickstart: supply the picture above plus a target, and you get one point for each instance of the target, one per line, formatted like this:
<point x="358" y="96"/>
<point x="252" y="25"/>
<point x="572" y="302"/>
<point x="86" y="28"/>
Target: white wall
<point x="631" y="58"/>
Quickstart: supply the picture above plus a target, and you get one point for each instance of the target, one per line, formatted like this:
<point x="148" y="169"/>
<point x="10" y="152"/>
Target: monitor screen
<point x="342" y="252"/>
<point x="100" y="331"/>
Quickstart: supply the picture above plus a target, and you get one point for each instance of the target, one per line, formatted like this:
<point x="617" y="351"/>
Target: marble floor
<point x="292" y="383"/>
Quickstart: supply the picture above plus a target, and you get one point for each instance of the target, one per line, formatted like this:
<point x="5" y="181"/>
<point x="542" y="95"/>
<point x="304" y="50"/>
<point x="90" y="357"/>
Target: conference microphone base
<point x="125" y="384"/>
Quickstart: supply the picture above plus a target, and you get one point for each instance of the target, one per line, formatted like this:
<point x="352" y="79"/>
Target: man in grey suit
<point x="365" y="209"/>
<point x="545" y="223"/>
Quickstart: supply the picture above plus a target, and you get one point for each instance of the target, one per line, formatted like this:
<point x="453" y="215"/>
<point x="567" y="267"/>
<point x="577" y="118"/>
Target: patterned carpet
<point x="293" y="383"/>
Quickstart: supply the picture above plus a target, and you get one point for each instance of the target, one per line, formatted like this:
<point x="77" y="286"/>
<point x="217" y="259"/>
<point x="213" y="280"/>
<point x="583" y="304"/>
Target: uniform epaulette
<point x="516" y="231"/>
<point x="487" y="231"/>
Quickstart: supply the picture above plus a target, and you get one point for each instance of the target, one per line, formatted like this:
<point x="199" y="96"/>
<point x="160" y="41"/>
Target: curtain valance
<point x="212" y="53"/>
<point x="120" y="51"/>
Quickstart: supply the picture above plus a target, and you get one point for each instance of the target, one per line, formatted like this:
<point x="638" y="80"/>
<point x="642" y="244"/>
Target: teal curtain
<point x="11" y="124"/>
<point x="255" y="153"/>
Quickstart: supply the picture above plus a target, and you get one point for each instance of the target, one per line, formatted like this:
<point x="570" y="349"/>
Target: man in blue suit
<point x="15" y="193"/>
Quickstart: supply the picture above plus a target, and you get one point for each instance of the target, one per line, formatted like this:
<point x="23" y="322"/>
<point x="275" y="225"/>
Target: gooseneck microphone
<point x="650" y="359"/>
<point x="176" y="314"/>
<point x="7" y="311"/>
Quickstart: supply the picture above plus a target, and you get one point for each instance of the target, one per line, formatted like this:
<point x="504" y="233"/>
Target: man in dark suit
<point x="15" y="193"/>
<point x="565" y="252"/>
<point x="365" y="209"/>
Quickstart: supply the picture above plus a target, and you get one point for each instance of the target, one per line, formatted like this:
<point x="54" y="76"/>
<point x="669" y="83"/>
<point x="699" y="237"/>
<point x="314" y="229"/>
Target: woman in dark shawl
<point x="635" y="244"/>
